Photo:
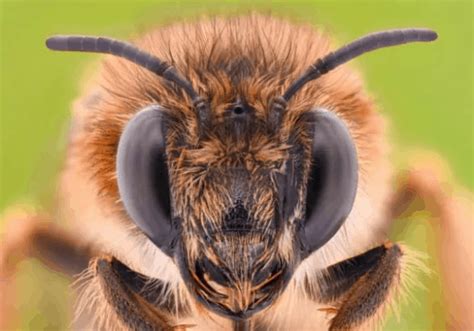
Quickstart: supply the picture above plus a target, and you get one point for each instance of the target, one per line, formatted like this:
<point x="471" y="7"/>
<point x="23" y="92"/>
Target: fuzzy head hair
<point x="232" y="165"/>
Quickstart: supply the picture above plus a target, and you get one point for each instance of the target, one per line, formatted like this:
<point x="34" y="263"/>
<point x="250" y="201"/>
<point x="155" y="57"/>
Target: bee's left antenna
<point x="356" y="48"/>
<point x="344" y="54"/>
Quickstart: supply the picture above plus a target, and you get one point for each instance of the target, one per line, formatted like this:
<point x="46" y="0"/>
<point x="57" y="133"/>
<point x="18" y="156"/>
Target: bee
<point x="226" y="174"/>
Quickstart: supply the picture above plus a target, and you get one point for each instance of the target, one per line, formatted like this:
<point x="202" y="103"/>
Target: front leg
<point x="125" y="299"/>
<point x="359" y="289"/>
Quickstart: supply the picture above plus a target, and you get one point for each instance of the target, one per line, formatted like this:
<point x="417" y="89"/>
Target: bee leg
<point x="426" y="181"/>
<point x="360" y="287"/>
<point x="335" y="282"/>
<point x="31" y="235"/>
<point x="428" y="184"/>
<point x="131" y="308"/>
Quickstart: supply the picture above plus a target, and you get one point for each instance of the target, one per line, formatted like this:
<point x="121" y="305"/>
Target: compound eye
<point x="143" y="179"/>
<point x="332" y="183"/>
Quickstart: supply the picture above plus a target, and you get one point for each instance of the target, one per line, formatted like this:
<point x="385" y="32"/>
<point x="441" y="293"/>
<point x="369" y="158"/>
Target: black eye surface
<point x="315" y="185"/>
<point x="238" y="109"/>
<point x="332" y="182"/>
<point x="143" y="179"/>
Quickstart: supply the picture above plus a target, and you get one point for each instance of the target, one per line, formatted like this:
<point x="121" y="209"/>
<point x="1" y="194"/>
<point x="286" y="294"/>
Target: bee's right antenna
<point x="133" y="54"/>
<point x="350" y="51"/>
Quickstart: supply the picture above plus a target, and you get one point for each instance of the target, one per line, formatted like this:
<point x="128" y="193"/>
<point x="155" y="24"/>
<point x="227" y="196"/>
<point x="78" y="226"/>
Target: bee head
<point x="239" y="209"/>
<point x="234" y="184"/>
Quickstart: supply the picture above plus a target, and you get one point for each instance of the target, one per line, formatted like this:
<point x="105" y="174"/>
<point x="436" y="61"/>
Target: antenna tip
<point x="57" y="43"/>
<point x="419" y="34"/>
<point x="431" y="35"/>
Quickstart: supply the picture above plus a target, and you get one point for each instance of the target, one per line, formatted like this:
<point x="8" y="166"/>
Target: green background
<point x="425" y="90"/>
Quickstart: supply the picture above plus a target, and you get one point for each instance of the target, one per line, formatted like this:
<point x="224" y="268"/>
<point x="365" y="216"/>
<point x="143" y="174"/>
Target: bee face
<point x="235" y="204"/>
<point x="230" y="191"/>
<point x="226" y="198"/>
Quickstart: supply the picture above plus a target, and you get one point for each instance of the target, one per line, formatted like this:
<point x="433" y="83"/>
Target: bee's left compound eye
<point x="142" y="176"/>
<point x="332" y="183"/>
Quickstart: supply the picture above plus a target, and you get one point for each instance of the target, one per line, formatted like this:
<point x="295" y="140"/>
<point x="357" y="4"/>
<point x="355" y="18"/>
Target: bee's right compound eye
<point x="143" y="178"/>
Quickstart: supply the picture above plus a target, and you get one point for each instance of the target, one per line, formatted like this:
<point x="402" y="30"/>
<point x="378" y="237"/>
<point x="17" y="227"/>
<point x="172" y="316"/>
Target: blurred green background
<point x="426" y="91"/>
